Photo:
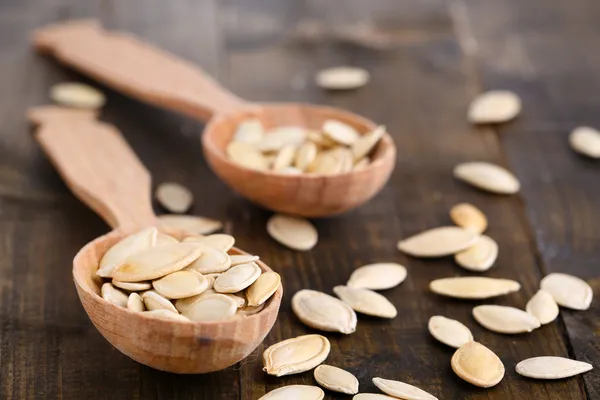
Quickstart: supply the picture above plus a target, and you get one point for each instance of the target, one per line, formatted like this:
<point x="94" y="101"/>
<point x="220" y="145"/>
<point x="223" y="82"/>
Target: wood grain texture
<point x="424" y="74"/>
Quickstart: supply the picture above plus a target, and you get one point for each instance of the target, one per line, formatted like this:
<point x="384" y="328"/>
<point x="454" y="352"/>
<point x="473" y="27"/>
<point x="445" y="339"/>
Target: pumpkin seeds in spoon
<point x="293" y="232"/>
<point x="473" y="287"/>
<point x="503" y="319"/>
<point x="212" y="307"/>
<point x="77" y="95"/>
<point x="118" y="253"/>
<point x="479" y="257"/>
<point x="219" y="241"/>
<point x="263" y="288"/>
<point x="250" y="131"/>
<point x="342" y="78"/>
<point x="543" y="307"/>
<point x="156" y="262"/>
<point x="238" y="259"/>
<point x="568" y="291"/>
<point x="237" y="278"/>
<point x="363" y="146"/>
<point x="155" y="301"/>
<point x="211" y="261"/>
<point x="477" y="365"/>
<point x="336" y="379"/>
<point x="132" y="286"/>
<point x="190" y="223"/>
<point x="180" y="284"/>
<point x="438" y="242"/>
<point x="402" y="390"/>
<point x="113" y="295"/>
<point x="488" y="177"/>
<point x="548" y="367"/>
<point x="166" y="314"/>
<point x="174" y="197"/>
<point x="449" y="331"/>
<point x="378" y="276"/>
<point x="468" y="216"/>
<point x="340" y="132"/>
<point x="296" y="355"/>
<point x="295" y="392"/>
<point x="322" y="311"/>
<point x="135" y="303"/>
<point x="586" y="141"/>
<point x="366" y="301"/>
<point x="494" y="107"/>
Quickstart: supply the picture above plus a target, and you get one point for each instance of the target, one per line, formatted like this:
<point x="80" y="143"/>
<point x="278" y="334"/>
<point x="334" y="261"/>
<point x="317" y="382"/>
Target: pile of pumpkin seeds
<point x="335" y="148"/>
<point x="192" y="280"/>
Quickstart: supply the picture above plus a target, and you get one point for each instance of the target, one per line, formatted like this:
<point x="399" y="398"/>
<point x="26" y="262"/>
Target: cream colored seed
<point x="305" y="155"/>
<point x="586" y="141"/>
<point x="488" y="177"/>
<point x="327" y="163"/>
<point x="219" y="241"/>
<point x="479" y="257"/>
<point x="568" y="291"/>
<point x="263" y="288"/>
<point x="77" y="95"/>
<point x="250" y="131"/>
<point x="449" y="331"/>
<point x="132" y="286"/>
<point x="293" y="232"/>
<point x="361" y="164"/>
<point x="246" y="155"/>
<point x="237" y="278"/>
<point x="402" y="390"/>
<point x="340" y="132"/>
<point x="113" y="295"/>
<point x="212" y="307"/>
<point x="181" y="284"/>
<point x="118" y="253"/>
<point x="548" y="367"/>
<point x="174" y="197"/>
<point x="289" y="171"/>
<point x="247" y="311"/>
<point x="543" y="307"/>
<point x="166" y="314"/>
<point x="211" y="261"/>
<point x="336" y="379"/>
<point x="438" y="242"/>
<point x="366" y="301"/>
<point x="190" y="223"/>
<point x="322" y="311"/>
<point x="237" y="259"/>
<point x="468" y="216"/>
<point x="295" y="392"/>
<point x="284" y="158"/>
<point x="164" y="239"/>
<point x="493" y="107"/>
<point x="281" y="136"/>
<point x="154" y="301"/>
<point x="342" y="78"/>
<point x="473" y="287"/>
<point x="135" y="303"/>
<point x="378" y="276"/>
<point x="366" y="143"/>
<point x="296" y="355"/>
<point x="345" y="156"/>
<point x="503" y="319"/>
<point x="477" y="365"/>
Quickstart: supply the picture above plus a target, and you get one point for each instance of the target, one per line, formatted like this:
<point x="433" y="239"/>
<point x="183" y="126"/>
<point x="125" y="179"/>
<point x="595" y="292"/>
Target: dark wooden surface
<point x="427" y="59"/>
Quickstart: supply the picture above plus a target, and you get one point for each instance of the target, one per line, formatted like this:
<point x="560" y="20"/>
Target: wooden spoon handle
<point x="101" y="170"/>
<point x="136" y="68"/>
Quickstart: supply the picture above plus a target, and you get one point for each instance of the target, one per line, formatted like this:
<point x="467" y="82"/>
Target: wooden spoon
<point x="101" y="169"/>
<point x="157" y="77"/>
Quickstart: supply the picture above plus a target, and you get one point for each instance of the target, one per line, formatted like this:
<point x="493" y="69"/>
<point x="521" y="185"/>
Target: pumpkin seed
<point x="211" y="307"/>
<point x="183" y="304"/>
<point x="449" y="331"/>
<point x="305" y="155"/>
<point x="494" y="107"/>
<point x="132" y="286"/>
<point x="568" y="291"/>
<point x="156" y="262"/>
<point x="238" y="259"/>
<point x="118" y="253"/>
<point x="247" y="311"/>
<point x="246" y="155"/>
<point x="503" y="319"/>
<point x="155" y="301"/>
<point x="163" y="239"/>
<point x="113" y="295"/>
<point x="477" y="365"/>
<point x="166" y="314"/>
<point x="378" y="276"/>
<point x="237" y="278"/>
<point x="289" y="171"/>
<point x="250" y="131"/>
<point x="327" y="163"/>
<point x="294" y="232"/>
<point x="346" y="163"/>
<point x="263" y="288"/>
<point x="366" y="143"/>
<point x="219" y="241"/>
<point x="180" y="284"/>
<point x="322" y="311"/>
<point x="361" y="164"/>
<point x="174" y="197"/>
<point x="543" y="307"/>
<point x="284" y="158"/>
<point x="489" y="177"/>
<point x="372" y="396"/>
<point x="212" y="260"/>
<point x="46" y="114"/>
<point x="473" y="287"/>
<point x="479" y="257"/>
<point x="438" y="242"/>
<point x="342" y="78"/>
<point x="238" y="298"/>
<point x="336" y="379"/>
<point x="549" y="367"/>
<point x="296" y="355"/>
<point x="77" y="95"/>
<point x="279" y="137"/>
<point x="402" y="390"/>
<point x="295" y="392"/>
<point x="340" y="132"/>
<point x="135" y="303"/>
<point x="468" y="216"/>
<point x="190" y="223"/>
<point x="320" y="140"/>
<point x="586" y="141"/>
<point x="366" y="301"/>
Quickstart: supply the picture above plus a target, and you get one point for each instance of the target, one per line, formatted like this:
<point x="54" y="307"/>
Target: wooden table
<point x="427" y="59"/>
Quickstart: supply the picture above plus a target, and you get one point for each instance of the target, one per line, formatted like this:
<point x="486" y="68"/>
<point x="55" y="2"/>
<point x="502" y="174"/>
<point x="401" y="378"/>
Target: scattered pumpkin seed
<point x="366" y="301"/>
<point x="449" y="331"/>
<point x="477" y="365"/>
<point x="473" y="287"/>
<point x="438" y="242"/>
<point x="322" y="311"/>
<point x="568" y="291"/>
<point x="543" y="307"/>
<point x="211" y="307"/>
<point x="174" y="197"/>
<point x="295" y="392"/>
<point x="296" y="355"/>
<point x="135" y="303"/>
<point x="180" y="284"/>
<point x="118" y="253"/>
<point x="494" y="107"/>
<point x="488" y="177"/>
<point x="504" y="319"/>
<point x="468" y="216"/>
<point x="113" y="295"/>
<point x="342" y="78"/>
<point x="237" y="278"/>
<point x="190" y="223"/>
<point x="479" y="257"/>
<point x="586" y="141"/>
<point x="402" y="390"/>
<point x="77" y="95"/>
<point x="378" y="276"/>
<point x="154" y="301"/>
<point x="549" y="367"/>
<point x="263" y="288"/>
<point x="294" y="232"/>
<point x="336" y="379"/>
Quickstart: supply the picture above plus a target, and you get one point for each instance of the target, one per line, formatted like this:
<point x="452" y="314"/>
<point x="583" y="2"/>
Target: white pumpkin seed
<point x="156" y="262"/>
<point x="163" y="239"/>
<point x="366" y="143"/>
<point x="543" y="307"/>
<point x="489" y="177"/>
<point x="263" y="288"/>
<point x="132" y="286"/>
<point x="154" y="301"/>
<point x="473" y="287"/>
<point x="586" y="141"/>
<point x="135" y="303"/>
<point x="211" y="307"/>
<point x="113" y="295"/>
<point x="568" y="291"/>
<point x="190" y="223"/>
<point x="503" y="319"/>
<point x="284" y="157"/>
<point x="494" y="107"/>
<point x="320" y="140"/>
<point x="549" y="367"/>
<point x="77" y="95"/>
<point x="344" y="155"/>
<point x="477" y="365"/>
<point x="174" y="197"/>
<point x="366" y="301"/>
<point x="336" y="379"/>
<point x="378" y="276"/>
<point x="118" y="253"/>
<point x="219" y="241"/>
<point x="166" y="314"/>
<point x="479" y="257"/>
<point x="296" y="355"/>
<point x="295" y="392"/>
<point x="468" y="216"/>
<point x="250" y="131"/>
<point x="328" y="163"/>
<point x="180" y="284"/>
<point x="402" y="390"/>
<point x="305" y="155"/>
<point x="449" y="331"/>
<point x="281" y="136"/>
<point x="294" y="232"/>
<point x="340" y="132"/>
<point x="211" y="261"/>
<point x="183" y="304"/>
<point x="342" y="78"/>
<point x="246" y="155"/>
<point x="289" y="171"/>
<point x="237" y="278"/>
<point x="238" y="259"/>
<point x="322" y="311"/>
<point x="438" y="242"/>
